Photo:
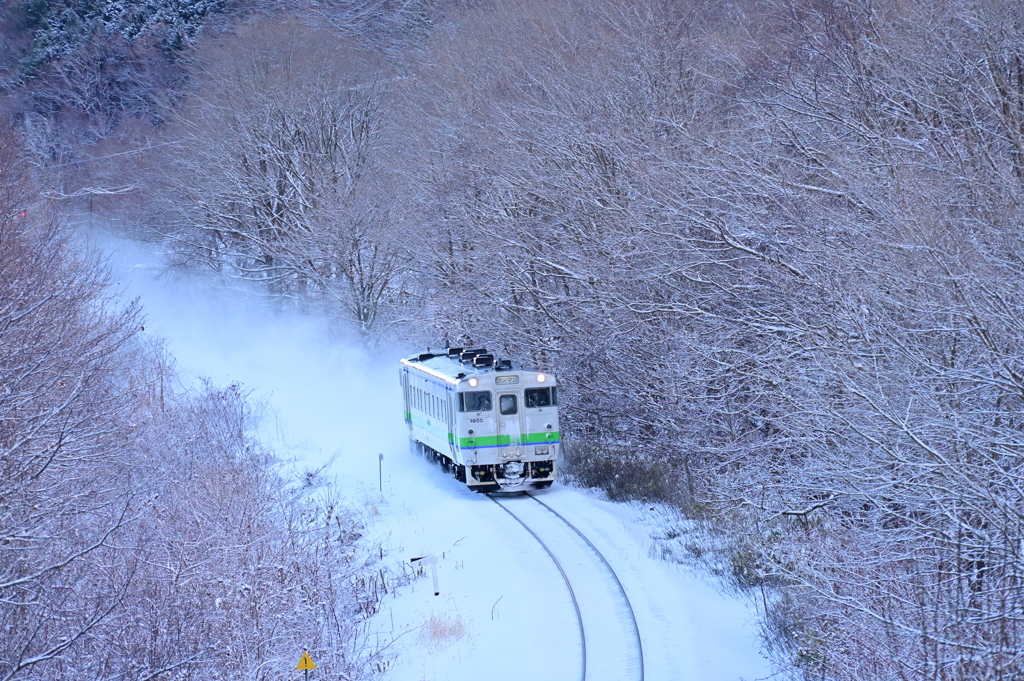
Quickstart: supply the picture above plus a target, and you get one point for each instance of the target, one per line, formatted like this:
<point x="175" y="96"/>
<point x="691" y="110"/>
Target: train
<point x="489" y="422"/>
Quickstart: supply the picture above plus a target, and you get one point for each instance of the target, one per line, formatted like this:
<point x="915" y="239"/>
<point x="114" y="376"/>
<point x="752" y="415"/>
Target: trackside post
<point x="432" y="562"/>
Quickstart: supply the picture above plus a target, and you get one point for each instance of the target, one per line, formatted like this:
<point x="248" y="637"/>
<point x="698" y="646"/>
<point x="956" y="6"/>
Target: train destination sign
<point x="505" y="380"/>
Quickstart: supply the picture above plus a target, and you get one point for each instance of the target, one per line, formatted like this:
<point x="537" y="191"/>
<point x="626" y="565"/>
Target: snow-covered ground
<point x="503" y="611"/>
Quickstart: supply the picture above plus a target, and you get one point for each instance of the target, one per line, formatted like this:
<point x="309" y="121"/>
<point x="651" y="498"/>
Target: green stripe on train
<point x="508" y="440"/>
<point x="539" y="438"/>
<point x="438" y="429"/>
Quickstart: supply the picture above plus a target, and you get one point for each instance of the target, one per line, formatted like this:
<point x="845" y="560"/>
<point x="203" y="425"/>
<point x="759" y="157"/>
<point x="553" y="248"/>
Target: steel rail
<point x="629" y="606"/>
<point x="565" y="578"/>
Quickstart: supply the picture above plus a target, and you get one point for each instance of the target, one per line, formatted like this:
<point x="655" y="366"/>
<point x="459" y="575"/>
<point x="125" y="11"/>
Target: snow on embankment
<point x="502" y="612"/>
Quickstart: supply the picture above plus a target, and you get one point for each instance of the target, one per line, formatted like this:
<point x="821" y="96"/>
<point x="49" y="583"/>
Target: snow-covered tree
<point x="276" y="174"/>
<point x="144" y="531"/>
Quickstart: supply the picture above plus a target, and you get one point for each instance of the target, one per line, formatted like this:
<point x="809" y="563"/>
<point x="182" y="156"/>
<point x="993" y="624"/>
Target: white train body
<point x="493" y="425"/>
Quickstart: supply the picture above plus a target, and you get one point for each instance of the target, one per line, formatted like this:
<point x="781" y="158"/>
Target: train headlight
<point x="541" y="378"/>
<point x="473" y="382"/>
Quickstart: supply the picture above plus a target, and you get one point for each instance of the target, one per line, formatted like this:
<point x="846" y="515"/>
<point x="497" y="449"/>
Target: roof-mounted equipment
<point x="468" y="355"/>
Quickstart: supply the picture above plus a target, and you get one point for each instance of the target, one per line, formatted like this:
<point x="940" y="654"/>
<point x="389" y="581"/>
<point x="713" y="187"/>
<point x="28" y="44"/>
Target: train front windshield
<point x="479" y="400"/>
<point x="539" y="397"/>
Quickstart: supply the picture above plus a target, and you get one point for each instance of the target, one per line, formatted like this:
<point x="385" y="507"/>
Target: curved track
<point x="603" y="611"/>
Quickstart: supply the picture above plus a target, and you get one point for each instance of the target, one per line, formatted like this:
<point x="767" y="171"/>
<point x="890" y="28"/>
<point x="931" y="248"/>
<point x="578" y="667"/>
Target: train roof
<point x="455" y="364"/>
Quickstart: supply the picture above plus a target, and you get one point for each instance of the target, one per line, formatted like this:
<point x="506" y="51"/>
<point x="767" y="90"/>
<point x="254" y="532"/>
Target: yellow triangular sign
<point x="306" y="662"/>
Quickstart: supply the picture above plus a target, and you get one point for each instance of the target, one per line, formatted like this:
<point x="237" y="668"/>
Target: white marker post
<point x="432" y="561"/>
<point x="380" y="472"/>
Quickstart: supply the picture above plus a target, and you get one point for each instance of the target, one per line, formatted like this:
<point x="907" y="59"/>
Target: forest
<point x="773" y="251"/>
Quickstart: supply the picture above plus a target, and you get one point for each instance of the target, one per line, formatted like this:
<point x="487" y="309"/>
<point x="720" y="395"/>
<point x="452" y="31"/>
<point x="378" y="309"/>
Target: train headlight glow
<point x="541" y="378"/>
<point x="473" y="382"/>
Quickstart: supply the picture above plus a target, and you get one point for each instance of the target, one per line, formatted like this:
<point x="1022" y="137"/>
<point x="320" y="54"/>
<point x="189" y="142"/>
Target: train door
<point x="406" y="403"/>
<point x="510" y="426"/>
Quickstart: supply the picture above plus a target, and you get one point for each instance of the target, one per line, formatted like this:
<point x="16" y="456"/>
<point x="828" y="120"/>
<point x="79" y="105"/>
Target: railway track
<point x="610" y="644"/>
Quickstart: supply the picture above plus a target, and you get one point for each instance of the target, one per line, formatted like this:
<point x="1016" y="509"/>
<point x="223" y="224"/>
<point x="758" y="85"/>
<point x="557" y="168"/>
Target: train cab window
<point x="538" y="397"/>
<point x="479" y="400"/>
<point x="507" y="405"/>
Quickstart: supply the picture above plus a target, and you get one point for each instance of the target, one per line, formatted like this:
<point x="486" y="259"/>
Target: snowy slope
<point x="503" y="611"/>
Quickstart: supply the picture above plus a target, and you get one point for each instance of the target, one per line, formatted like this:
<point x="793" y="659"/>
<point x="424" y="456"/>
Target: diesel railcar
<point x="491" y="423"/>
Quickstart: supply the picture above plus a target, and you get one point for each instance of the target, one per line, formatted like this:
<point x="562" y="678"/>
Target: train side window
<point x="554" y="396"/>
<point x="538" y="397"/>
<point x="479" y="400"/>
<point x="507" y="404"/>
